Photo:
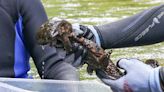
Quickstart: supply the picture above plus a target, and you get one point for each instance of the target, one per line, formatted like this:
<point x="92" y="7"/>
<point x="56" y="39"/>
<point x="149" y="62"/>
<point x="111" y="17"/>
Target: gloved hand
<point x="139" y="77"/>
<point x="87" y="32"/>
<point x="75" y="57"/>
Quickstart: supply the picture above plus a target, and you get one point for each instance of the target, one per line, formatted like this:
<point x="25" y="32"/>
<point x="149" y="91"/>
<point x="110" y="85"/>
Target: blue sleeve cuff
<point x="154" y="81"/>
<point x="95" y="34"/>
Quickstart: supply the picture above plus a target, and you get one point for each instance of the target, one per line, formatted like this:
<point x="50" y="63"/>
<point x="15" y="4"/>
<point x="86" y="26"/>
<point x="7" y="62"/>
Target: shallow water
<point x="100" y="12"/>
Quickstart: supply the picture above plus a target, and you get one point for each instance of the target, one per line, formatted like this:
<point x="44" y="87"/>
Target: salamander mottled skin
<point x="54" y="31"/>
<point x="152" y="62"/>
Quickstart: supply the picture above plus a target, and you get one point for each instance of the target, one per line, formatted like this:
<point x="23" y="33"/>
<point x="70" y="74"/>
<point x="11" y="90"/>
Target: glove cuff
<point x="95" y="34"/>
<point x="154" y="81"/>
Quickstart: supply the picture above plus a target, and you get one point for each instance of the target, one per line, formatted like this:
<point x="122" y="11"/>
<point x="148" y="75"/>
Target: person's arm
<point x="33" y="16"/>
<point x="49" y="61"/>
<point x="141" y="29"/>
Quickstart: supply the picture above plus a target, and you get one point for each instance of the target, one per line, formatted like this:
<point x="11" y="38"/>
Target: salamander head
<point x="49" y="31"/>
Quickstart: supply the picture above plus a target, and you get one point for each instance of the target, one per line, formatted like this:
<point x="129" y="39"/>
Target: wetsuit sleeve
<point x="143" y="28"/>
<point x="47" y="59"/>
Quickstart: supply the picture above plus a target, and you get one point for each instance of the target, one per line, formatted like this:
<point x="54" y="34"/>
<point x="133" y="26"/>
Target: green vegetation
<point x="94" y="8"/>
<point x="101" y="12"/>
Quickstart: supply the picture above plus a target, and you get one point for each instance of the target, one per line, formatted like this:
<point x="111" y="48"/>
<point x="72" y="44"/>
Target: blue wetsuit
<point x="21" y="66"/>
<point x="18" y="43"/>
